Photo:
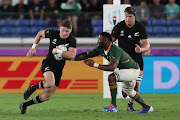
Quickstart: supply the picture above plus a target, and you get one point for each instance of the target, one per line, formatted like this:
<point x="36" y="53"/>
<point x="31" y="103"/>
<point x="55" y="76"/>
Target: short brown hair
<point x="130" y="10"/>
<point x="66" y="23"/>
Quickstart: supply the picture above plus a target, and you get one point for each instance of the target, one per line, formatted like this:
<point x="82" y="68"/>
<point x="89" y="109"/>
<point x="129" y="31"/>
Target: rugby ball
<point x="57" y="56"/>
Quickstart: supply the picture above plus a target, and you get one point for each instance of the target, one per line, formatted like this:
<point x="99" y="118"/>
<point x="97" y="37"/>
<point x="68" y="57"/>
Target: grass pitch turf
<point x="88" y="107"/>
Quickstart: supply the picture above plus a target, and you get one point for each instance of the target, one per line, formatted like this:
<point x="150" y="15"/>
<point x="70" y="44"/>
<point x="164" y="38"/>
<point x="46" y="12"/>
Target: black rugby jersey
<point x="128" y="37"/>
<point x="56" y="40"/>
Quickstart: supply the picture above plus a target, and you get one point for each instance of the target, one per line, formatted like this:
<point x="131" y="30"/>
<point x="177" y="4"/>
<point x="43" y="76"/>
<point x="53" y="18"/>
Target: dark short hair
<point x="130" y="10"/>
<point x="106" y="34"/>
<point x="66" y="23"/>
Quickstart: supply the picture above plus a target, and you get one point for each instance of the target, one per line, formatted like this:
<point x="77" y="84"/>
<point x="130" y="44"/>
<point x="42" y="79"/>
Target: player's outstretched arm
<point x="85" y="55"/>
<point x="81" y="56"/>
<point x="111" y="67"/>
<point x="32" y="51"/>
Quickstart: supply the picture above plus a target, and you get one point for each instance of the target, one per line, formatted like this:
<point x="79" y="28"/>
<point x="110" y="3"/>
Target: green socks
<point x="113" y="89"/>
<point x="138" y="99"/>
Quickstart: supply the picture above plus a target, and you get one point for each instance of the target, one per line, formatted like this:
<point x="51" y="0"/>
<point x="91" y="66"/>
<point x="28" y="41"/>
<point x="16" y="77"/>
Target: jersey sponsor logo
<point x="136" y="34"/>
<point x="129" y="36"/>
<point x="54" y="41"/>
<point x="20" y="72"/>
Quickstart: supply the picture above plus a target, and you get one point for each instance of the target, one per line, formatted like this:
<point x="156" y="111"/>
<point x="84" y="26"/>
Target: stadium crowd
<point x="83" y="12"/>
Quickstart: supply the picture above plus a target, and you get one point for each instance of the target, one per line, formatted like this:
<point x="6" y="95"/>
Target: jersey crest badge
<point x="67" y="45"/>
<point x="136" y="34"/>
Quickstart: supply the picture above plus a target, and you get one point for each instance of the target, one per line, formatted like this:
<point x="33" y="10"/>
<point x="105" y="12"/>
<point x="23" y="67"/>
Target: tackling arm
<point x="85" y="55"/>
<point x="111" y="67"/>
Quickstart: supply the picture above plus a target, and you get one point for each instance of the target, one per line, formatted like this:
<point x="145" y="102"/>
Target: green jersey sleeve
<point x="95" y="52"/>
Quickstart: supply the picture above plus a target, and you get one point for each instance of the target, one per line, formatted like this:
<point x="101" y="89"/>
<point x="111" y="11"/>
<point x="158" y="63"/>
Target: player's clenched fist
<point x="89" y="62"/>
<point x="137" y="48"/>
<point x="54" y="51"/>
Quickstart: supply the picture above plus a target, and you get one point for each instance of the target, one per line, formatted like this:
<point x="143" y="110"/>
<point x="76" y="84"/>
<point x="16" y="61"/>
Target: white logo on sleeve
<point x="54" y="41"/>
<point x="136" y="34"/>
<point x="46" y="68"/>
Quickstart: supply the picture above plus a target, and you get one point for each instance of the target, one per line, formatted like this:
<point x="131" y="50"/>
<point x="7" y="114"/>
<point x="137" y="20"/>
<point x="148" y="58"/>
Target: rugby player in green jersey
<point x="124" y="69"/>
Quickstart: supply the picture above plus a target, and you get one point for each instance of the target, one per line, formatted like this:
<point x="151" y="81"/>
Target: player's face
<point x="129" y="19"/>
<point x="64" y="32"/>
<point x="100" y="42"/>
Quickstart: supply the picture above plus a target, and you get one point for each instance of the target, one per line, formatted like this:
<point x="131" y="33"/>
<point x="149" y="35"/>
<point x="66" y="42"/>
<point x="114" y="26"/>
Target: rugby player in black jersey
<point x="130" y="33"/>
<point x="51" y="68"/>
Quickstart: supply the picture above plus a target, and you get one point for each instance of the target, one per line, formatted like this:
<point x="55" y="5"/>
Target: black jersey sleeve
<point x="116" y="31"/>
<point x="48" y="33"/>
<point x="143" y="33"/>
<point x="72" y="42"/>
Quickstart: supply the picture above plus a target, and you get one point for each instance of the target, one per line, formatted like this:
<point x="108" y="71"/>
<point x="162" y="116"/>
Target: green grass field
<point x="88" y="107"/>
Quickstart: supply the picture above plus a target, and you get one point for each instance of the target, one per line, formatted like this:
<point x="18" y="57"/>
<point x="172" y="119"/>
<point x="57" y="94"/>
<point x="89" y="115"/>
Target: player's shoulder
<point x="122" y="23"/>
<point x="71" y="37"/>
<point x="138" y="24"/>
<point x="52" y="31"/>
<point x="100" y="50"/>
<point x="55" y="31"/>
<point x="115" y="48"/>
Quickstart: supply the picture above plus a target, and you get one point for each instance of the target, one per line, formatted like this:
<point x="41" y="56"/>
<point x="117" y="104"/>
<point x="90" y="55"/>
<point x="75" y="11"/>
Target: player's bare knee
<point x="112" y="79"/>
<point x="49" y="85"/>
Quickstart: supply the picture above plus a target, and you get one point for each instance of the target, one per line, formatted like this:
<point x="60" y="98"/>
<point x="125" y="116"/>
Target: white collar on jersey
<point x="106" y="51"/>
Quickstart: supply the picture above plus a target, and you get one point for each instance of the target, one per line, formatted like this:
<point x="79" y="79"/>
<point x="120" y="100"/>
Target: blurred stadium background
<point x="19" y="24"/>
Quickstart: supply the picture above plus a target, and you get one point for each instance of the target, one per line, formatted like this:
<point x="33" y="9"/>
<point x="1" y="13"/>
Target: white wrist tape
<point x="96" y="65"/>
<point x="34" y="46"/>
<point x="59" y="51"/>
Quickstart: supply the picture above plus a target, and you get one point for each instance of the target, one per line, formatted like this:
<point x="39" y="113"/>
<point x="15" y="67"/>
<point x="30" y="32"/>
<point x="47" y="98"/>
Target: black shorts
<point x="139" y="60"/>
<point x="57" y="70"/>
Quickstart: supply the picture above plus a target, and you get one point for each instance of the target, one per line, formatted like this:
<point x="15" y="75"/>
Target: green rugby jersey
<point x="118" y="54"/>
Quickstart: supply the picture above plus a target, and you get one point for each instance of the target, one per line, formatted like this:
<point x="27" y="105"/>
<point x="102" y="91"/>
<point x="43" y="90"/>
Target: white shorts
<point x="128" y="78"/>
<point x="126" y="75"/>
